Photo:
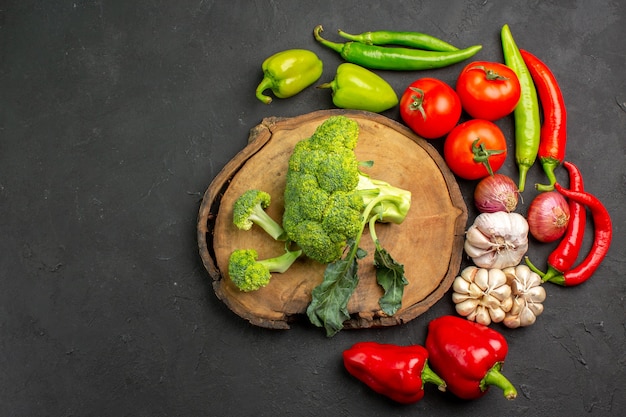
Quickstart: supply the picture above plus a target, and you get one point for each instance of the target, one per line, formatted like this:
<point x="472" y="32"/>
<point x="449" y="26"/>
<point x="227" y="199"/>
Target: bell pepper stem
<point x="330" y="85"/>
<point x="265" y="83"/>
<point x="429" y="376"/>
<point x="496" y="378"/>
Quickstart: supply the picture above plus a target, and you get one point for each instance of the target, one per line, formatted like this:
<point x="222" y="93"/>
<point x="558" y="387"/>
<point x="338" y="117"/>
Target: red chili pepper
<point x="553" y="136"/>
<point x="398" y="372"/>
<point x="603" y="233"/>
<point x="468" y="356"/>
<point x="566" y="253"/>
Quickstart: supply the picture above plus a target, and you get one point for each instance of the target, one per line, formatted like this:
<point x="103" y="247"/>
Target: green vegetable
<point x="355" y="87"/>
<point x="526" y="113"/>
<point x="389" y="275"/>
<point x="395" y="58"/>
<point x="411" y="39"/>
<point x="328" y="204"/>
<point x="249" y="209"/>
<point x="249" y="274"/>
<point x="288" y="72"/>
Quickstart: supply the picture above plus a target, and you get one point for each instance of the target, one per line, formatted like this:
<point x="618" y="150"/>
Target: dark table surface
<point x="115" y="116"/>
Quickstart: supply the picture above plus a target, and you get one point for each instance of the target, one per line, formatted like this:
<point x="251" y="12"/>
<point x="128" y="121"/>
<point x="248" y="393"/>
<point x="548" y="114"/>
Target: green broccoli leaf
<point x="390" y="276"/>
<point x="329" y="306"/>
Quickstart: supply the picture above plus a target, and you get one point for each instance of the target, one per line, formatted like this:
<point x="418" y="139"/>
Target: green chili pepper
<point x="355" y="87"/>
<point x="526" y="113"/>
<point x="411" y="39"/>
<point x="396" y="59"/>
<point x="288" y="72"/>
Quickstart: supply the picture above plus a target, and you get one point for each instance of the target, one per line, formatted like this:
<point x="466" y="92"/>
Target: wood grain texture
<point x="429" y="242"/>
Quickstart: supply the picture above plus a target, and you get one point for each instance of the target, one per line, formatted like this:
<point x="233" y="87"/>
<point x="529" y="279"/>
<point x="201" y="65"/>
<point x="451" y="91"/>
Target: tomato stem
<point x="482" y="154"/>
<point x="418" y="100"/>
<point x="490" y="75"/>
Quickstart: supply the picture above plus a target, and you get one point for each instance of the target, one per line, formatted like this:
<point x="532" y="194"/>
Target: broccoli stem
<point x="367" y="219"/>
<point x="282" y="263"/>
<point x="260" y="217"/>
<point x="380" y="192"/>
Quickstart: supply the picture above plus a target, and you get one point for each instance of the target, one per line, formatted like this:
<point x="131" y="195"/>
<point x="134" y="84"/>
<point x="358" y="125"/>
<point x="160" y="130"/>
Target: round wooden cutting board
<point x="429" y="243"/>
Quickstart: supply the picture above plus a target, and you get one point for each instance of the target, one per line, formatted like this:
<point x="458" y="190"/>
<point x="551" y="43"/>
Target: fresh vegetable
<point x="497" y="240"/>
<point x="526" y="113"/>
<point x="394" y="58"/>
<point x="564" y="256"/>
<point x="389" y="273"/>
<point x="603" y="233"/>
<point x="355" y="87"/>
<point x="475" y="149"/>
<point x="430" y="107"/>
<point x="398" y="372"/>
<point x="249" y="273"/>
<point x="468" y="356"/>
<point x="326" y="194"/>
<point x="411" y="39"/>
<point x="553" y="135"/>
<point x="548" y="216"/>
<point x="496" y="192"/>
<point x="488" y="90"/>
<point x="328" y="204"/>
<point x="288" y="72"/>
<point x="249" y="209"/>
<point x="528" y="296"/>
<point x="482" y="295"/>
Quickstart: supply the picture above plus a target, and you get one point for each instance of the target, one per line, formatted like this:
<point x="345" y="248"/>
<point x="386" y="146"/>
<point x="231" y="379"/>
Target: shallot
<point x="496" y="192"/>
<point x="548" y="215"/>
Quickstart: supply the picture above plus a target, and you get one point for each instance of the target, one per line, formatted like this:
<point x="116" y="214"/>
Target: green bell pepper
<point x="288" y="72"/>
<point x="358" y="88"/>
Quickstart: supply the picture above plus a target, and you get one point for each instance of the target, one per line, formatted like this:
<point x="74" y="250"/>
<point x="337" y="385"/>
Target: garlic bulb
<point x="528" y="296"/>
<point x="482" y="295"/>
<point x="497" y="240"/>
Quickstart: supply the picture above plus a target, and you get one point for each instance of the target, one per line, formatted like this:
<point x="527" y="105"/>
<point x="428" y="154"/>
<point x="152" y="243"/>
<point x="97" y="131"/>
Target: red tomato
<point x="430" y="107"/>
<point x="488" y="90"/>
<point x="474" y="146"/>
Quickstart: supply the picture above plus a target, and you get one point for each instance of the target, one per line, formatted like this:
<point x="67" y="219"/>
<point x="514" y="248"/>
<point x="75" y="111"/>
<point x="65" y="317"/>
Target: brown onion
<point x="548" y="215"/>
<point x="496" y="192"/>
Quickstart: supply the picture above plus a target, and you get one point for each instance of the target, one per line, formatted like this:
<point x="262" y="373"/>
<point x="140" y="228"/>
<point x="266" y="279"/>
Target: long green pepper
<point x="416" y="40"/>
<point x="392" y="58"/>
<point x="526" y="113"/>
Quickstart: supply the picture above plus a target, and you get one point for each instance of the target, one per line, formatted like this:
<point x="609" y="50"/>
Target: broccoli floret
<point x="249" y="209"/>
<point x="326" y="194"/>
<point x="335" y="133"/>
<point x="249" y="274"/>
<point x="322" y="208"/>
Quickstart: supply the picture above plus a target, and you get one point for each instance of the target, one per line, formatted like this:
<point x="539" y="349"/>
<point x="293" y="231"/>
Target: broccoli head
<point x="322" y="208"/>
<point x="249" y="273"/>
<point x="249" y="209"/>
<point x="326" y="195"/>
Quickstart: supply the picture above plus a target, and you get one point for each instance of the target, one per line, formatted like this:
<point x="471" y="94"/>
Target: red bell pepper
<point x="398" y="372"/>
<point x="468" y="356"/>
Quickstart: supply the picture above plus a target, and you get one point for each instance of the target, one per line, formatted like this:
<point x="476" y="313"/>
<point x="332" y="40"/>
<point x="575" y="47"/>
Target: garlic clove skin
<point x="467" y="307"/>
<point x="528" y="295"/>
<point x="497" y="240"/>
<point x="536" y="294"/>
<point x="527" y="317"/>
<point x="497" y="315"/>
